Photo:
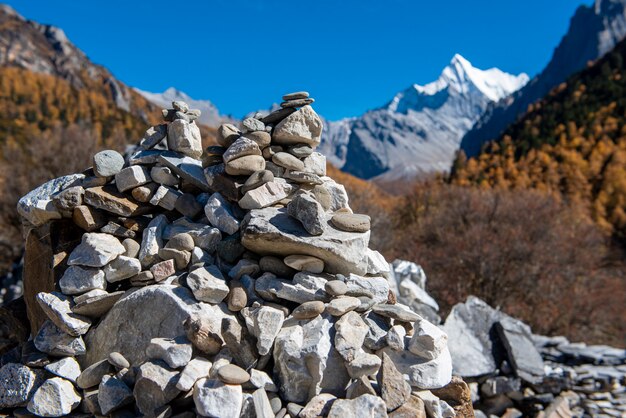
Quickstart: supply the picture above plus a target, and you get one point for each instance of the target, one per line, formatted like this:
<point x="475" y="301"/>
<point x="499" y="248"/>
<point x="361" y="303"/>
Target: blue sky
<point x="352" y="55"/>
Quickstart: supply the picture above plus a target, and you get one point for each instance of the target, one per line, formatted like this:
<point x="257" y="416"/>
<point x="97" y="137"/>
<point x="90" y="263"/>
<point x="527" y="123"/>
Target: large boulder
<point x="141" y="315"/>
<point x="472" y="338"/>
<point x="271" y="231"/>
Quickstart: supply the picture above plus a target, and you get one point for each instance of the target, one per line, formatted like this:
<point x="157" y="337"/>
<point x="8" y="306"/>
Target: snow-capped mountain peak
<point x="419" y="130"/>
<point x="458" y="78"/>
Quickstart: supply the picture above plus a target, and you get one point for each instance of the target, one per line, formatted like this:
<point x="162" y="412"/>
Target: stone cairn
<point x="234" y="282"/>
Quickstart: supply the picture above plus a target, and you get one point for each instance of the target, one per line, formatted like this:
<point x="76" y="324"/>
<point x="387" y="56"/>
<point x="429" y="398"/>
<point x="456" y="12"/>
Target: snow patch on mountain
<point x="419" y="131"/>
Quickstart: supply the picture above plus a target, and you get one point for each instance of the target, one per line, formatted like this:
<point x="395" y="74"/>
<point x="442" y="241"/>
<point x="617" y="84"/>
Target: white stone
<point x="96" y="250"/>
<point x="208" y="284"/>
<point x="350" y="334"/>
<point x="131" y="177"/>
<point x="266" y="195"/>
<point x="365" y="406"/>
<point x="395" y="337"/>
<point x="422" y="373"/>
<point x="58" y="308"/>
<point x="37" y="207"/>
<point x="213" y="398"/>
<point x="184" y="137"/>
<point x="338" y="195"/>
<point x="240" y="148"/>
<point x="56" y="397"/>
<point x="176" y="352"/>
<point x="364" y="364"/>
<point x="305" y="361"/>
<point x="77" y="280"/>
<point x="303" y="126"/>
<point x="376" y="263"/>
<point x="67" y="368"/>
<point x="196" y="369"/>
<point x="267" y="323"/>
<point x="121" y="268"/>
<point x="315" y="163"/>
<point x="152" y="241"/>
<point x="428" y="340"/>
<point x="219" y="213"/>
<point x="261" y="380"/>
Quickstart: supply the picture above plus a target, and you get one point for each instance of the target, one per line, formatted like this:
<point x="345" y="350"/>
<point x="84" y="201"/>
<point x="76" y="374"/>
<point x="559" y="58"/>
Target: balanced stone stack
<point x="234" y="282"/>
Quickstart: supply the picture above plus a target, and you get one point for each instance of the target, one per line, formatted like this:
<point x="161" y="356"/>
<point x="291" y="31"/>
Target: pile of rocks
<point x="513" y="373"/>
<point x="226" y="283"/>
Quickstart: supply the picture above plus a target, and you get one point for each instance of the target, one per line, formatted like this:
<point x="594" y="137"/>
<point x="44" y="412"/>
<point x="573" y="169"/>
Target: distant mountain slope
<point x="572" y="142"/>
<point x="210" y="114"/>
<point x="419" y="130"/>
<point x="593" y="31"/>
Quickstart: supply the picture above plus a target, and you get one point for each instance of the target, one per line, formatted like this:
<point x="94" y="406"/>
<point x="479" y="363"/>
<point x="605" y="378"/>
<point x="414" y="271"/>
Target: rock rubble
<point x="231" y="282"/>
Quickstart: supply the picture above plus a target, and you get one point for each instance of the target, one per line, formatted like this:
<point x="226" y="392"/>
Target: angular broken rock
<point x="208" y="284"/>
<point x="422" y="373"/>
<point x="213" y="398"/>
<point x="78" y="280"/>
<point x="155" y="386"/>
<point x="365" y="406"/>
<point x="309" y="212"/>
<point x="56" y="397"/>
<point x="305" y="361"/>
<point x="195" y="370"/>
<point x="17" y="384"/>
<point x="67" y="368"/>
<point x="121" y="268"/>
<point x="131" y="177"/>
<point x="58" y="308"/>
<point x="152" y="241"/>
<point x="219" y="212"/>
<point x="176" y="352"/>
<point x="266" y="195"/>
<point x="394" y="390"/>
<point x="52" y="340"/>
<point x="271" y="231"/>
<point x="428" y="341"/>
<point x="351" y="332"/>
<point x="303" y="126"/>
<point x="96" y="250"/>
<point x="522" y="353"/>
<point x="113" y="394"/>
<point x="184" y="137"/>
<point x="128" y="329"/>
<point x="267" y="323"/>
<point x="37" y="206"/>
<point x="188" y="169"/>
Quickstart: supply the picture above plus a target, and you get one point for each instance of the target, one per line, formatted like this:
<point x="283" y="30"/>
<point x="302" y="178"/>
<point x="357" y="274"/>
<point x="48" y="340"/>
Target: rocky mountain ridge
<point x="419" y="131"/>
<point x="593" y="31"/>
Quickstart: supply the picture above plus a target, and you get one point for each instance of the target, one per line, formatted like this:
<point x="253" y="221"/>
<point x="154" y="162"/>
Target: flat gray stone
<point x="521" y="350"/>
<point x="113" y="394"/>
<point x="96" y="306"/>
<point x="208" y="284"/>
<point x="271" y="231"/>
<point x="155" y="386"/>
<point x="96" y="250"/>
<point x="188" y="169"/>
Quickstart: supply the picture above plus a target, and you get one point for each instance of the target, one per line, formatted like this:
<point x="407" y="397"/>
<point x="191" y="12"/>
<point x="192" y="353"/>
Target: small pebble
<point x="118" y="360"/>
<point x="233" y="374"/>
<point x="335" y="287"/>
<point x="308" y="310"/>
